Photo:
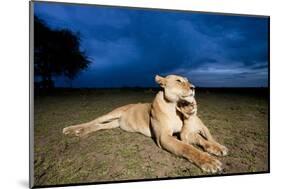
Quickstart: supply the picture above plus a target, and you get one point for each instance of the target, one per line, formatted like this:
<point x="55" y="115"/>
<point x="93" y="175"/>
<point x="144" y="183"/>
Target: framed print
<point x="122" y="94"/>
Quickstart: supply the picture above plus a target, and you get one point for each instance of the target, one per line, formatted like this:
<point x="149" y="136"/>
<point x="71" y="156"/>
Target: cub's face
<point x="176" y="88"/>
<point x="187" y="108"/>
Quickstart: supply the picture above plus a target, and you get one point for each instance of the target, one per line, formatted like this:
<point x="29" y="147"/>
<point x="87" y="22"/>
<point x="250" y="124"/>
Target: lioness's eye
<point x="178" y="80"/>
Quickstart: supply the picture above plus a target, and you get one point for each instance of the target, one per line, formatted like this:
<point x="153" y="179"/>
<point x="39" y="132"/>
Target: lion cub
<point x="195" y="132"/>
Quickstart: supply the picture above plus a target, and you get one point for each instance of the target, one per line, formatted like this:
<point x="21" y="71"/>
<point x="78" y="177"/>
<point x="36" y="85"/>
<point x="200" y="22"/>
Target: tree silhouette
<point x="56" y="52"/>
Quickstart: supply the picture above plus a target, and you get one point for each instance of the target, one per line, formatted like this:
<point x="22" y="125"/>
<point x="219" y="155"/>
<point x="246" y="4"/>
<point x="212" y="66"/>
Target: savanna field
<point x="236" y="118"/>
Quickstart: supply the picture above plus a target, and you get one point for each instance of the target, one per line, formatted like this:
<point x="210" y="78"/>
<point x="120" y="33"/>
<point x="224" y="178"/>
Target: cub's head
<point x="187" y="108"/>
<point x="176" y="88"/>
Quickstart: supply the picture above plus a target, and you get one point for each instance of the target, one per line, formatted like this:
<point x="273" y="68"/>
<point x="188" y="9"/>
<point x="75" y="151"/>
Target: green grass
<point x="238" y="120"/>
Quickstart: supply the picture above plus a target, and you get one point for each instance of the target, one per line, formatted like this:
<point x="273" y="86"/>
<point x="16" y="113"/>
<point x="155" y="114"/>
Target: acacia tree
<point x="56" y="52"/>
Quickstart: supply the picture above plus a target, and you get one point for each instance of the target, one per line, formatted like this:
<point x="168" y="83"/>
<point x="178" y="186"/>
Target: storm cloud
<point x="130" y="46"/>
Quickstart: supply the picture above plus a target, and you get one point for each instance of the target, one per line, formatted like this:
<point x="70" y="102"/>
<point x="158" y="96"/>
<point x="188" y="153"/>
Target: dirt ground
<point x="237" y="119"/>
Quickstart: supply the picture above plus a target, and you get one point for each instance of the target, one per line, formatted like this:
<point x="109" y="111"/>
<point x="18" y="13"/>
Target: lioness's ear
<point x="160" y="80"/>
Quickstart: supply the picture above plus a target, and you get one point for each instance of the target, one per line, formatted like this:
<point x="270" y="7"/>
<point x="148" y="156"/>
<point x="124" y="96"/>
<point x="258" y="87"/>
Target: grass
<point x="236" y="118"/>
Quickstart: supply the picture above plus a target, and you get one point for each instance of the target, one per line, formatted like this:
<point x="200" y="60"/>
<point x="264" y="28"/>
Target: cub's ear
<point x="160" y="80"/>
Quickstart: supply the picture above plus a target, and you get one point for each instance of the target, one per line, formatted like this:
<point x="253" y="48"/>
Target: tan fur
<point x="195" y="132"/>
<point x="160" y="120"/>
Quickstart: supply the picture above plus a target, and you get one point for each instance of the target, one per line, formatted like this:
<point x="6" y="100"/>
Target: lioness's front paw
<point x="73" y="130"/>
<point x="210" y="164"/>
<point x="217" y="149"/>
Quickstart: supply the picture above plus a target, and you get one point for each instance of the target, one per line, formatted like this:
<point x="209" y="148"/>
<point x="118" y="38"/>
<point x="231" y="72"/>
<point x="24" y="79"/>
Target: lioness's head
<point x="176" y="88"/>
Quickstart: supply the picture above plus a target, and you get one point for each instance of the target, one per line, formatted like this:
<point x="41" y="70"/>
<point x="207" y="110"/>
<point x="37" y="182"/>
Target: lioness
<point x="160" y="120"/>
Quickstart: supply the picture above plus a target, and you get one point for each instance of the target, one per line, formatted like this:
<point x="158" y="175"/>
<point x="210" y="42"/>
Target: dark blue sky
<point x="130" y="46"/>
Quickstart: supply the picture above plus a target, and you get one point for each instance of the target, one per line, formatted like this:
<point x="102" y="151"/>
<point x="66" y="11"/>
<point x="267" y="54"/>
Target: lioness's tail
<point x="107" y="121"/>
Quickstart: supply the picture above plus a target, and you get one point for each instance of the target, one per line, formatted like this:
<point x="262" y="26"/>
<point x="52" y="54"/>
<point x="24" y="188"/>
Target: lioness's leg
<point x="195" y="132"/>
<point x="107" y="121"/>
<point x="201" y="159"/>
<point x="86" y="128"/>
